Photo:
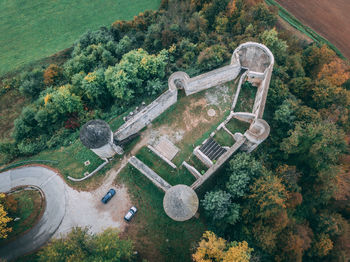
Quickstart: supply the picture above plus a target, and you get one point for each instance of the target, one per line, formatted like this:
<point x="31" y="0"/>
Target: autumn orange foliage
<point x="214" y="249"/>
<point x="4" y="220"/>
<point x="52" y="74"/>
<point x="336" y="72"/>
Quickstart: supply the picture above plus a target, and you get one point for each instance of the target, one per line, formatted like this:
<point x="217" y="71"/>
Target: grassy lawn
<point x="224" y="138"/>
<point x="31" y="30"/>
<point x="30" y="205"/>
<point x="190" y="115"/>
<point x="195" y="162"/>
<point x="235" y="125"/>
<point x="246" y="98"/>
<point x="173" y="176"/>
<point x="155" y="235"/>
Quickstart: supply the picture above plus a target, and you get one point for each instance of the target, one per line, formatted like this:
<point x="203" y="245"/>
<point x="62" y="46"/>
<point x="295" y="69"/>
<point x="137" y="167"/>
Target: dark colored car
<point x="108" y="196"/>
<point x="131" y="213"/>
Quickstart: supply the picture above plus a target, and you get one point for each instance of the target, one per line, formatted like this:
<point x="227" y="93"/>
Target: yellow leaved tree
<point x="4" y="219"/>
<point x="214" y="249"/>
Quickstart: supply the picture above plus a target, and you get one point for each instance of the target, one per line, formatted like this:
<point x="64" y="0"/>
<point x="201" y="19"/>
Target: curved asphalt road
<point x="53" y="188"/>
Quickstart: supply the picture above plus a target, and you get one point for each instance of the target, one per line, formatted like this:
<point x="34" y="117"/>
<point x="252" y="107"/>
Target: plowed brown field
<point x="329" y="18"/>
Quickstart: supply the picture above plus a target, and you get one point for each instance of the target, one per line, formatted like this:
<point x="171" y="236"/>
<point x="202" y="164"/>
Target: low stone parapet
<point x="192" y="170"/>
<point x="161" y="156"/>
<point x="149" y="173"/>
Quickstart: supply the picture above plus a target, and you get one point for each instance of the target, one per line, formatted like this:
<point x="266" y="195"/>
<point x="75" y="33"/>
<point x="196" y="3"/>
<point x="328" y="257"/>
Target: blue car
<point x="108" y="196"/>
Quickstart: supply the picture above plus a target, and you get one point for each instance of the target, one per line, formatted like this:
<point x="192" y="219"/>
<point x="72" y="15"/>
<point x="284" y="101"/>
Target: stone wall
<point x="218" y="163"/>
<point x="149" y="173"/>
<point x="147" y="115"/>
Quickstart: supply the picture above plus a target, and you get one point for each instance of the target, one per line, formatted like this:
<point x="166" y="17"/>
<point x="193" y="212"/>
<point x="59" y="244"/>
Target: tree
<point x="212" y="9"/>
<point x="336" y="72"/>
<point x="212" y="248"/>
<point x="316" y="57"/>
<point x="238" y="252"/>
<point x="277" y="46"/>
<point x="94" y="90"/>
<point x="130" y="76"/>
<point x="293" y="243"/>
<point x="79" y="245"/>
<point x="53" y="74"/>
<point x="234" y="214"/>
<point x="25" y="125"/>
<point x="269" y="195"/>
<point x="263" y="16"/>
<point x="217" y="204"/>
<point x="325" y="94"/>
<point x="321" y="246"/>
<point x="32" y="83"/>
<point x="4" y="220"/>
<point x="243" y="167"/>
<point x="212" y="57"/>
<point x="314" y="145"/>
<point x="284" y="117"/>
<point x="56" y="107"/>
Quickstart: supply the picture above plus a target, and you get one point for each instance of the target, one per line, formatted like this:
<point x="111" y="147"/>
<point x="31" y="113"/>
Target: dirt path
<point x="331" y="19"/>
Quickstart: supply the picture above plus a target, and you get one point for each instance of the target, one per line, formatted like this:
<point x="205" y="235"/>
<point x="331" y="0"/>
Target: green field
<point x="31" y="30"/>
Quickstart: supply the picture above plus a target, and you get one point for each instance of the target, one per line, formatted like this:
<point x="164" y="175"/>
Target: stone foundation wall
<point x="149" y="173"/>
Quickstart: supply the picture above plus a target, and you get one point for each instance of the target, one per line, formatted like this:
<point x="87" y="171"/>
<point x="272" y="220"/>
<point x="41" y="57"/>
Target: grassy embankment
<point x="69" y="160"/>
<point x="30" y="206"/>
<point x="32" y="30"/>
<point x="293" y="21"/>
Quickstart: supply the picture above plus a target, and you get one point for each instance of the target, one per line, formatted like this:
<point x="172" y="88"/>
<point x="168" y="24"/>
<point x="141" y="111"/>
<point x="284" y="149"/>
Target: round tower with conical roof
<point x="97" y="136"/>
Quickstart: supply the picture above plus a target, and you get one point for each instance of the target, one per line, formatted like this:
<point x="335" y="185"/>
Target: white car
<point x="131" y="213"/>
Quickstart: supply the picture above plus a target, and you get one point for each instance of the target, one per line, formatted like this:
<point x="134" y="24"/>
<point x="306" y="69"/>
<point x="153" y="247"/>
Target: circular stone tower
<point x="180" y="202"/>
<point x="97" y="136"/>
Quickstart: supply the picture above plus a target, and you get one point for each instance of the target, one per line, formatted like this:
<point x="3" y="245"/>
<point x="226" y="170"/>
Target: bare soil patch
<point x="331" y="19"/>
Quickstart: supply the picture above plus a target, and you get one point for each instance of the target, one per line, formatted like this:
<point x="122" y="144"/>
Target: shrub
<point x="212" y="57"/>
<point x="32" y="83"/>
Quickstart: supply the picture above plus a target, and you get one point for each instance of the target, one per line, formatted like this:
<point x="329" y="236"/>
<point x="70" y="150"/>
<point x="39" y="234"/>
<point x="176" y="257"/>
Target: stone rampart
<point x="147" y="115"/>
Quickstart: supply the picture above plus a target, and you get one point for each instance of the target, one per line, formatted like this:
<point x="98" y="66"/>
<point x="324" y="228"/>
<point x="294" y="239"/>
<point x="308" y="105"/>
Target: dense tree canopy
<point x="79" y="245"/>
<point x="288" y="198"/>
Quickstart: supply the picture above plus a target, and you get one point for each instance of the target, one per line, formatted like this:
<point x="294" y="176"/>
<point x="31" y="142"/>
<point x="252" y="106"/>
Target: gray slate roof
<point x="95" y="134"/>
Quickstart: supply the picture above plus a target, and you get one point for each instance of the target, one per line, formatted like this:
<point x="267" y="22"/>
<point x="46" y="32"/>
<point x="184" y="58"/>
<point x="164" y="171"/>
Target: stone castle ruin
<point x="254" y="63"/>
